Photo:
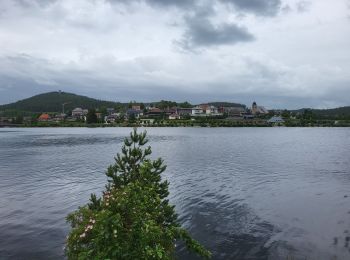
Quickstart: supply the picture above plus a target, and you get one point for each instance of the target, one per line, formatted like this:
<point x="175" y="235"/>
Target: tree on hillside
<point x="132" y="118"/>
<point x="185" y="105"/>
<point x="91" y="117"/>
<point x="19" y="119"/>
<point x="163" y="104"/>
<point x="308" y="114"/>
<point x="133" y="219"/>
<point x="285" y="114"/>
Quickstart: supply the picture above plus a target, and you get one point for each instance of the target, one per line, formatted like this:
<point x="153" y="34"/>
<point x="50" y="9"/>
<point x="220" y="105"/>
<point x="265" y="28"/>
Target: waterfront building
<point x="110" y="110"/>
<point x="79" y="113"/>
<point x="184" y="111"/>
<point x="197" y="111"/>
<point x="136" y="107"/>
<point x="232" y="111"/>
<point x="155" y="112"/>
<point x="211" y="110"/>
<point x="44" y="118"/>
<point x="276" y="120"/>
<point x="59" y="117"/>
<point x="174" y="116"/>
<point x="258" y="110"/>
<point x="134" y="112"/>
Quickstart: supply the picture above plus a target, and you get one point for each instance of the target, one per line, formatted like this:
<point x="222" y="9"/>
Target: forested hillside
<point x="53" y="102"/>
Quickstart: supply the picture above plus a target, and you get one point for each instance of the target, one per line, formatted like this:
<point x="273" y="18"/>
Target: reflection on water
<point x="246" y="193"/>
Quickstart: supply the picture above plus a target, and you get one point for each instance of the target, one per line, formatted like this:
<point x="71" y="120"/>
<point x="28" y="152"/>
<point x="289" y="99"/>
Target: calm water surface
<point x="245" y="193"/>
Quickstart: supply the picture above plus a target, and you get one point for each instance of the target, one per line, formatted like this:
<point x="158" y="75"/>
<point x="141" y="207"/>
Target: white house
<point x="174" y="116"/>
<point x="79" y="112"/>
<point x="276" y="120"/>
<point x="211" y="110"/>
<point x="197" y="111"/>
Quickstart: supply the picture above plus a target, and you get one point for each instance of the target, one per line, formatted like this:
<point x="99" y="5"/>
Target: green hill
<point x="52" y="102"/>
<point x="332" y="114"/>
<point x="226" y="104"/>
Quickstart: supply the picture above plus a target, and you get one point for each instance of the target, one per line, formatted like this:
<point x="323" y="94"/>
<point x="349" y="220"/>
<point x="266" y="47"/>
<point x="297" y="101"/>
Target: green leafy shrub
<point x="133" y="218"/>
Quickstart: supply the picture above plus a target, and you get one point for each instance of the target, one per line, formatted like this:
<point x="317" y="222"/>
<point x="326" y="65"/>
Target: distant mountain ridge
<point x="53" y="101"/>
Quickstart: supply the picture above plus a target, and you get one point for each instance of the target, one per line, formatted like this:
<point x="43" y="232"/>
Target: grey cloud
<point x="258" y="7"/>
<point x="124" y="63"/>
<point x="286" y="9"/>
<point x="300" y="7"/>
<point x="178" y="3"/>
<point x="303" y="6"/>
<point x="250" y="79"/>
<point x="202" y="33"/>
<point x="199" y="31"/>
<point x="159" y="3"/>
<point x="29" y="3"/>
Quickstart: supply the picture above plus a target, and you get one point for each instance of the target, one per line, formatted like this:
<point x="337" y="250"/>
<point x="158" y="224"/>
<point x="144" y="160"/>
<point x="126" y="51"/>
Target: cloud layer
<point x="279" y="53"/>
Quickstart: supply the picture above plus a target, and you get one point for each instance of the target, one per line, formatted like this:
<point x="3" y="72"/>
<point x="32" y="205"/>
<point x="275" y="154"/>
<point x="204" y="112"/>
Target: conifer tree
<point x="91" y="117"/>
<point x="133" y="219"/>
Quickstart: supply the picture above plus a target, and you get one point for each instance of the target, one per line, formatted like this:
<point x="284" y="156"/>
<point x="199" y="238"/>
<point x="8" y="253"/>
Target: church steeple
<point x="254" y="108"/>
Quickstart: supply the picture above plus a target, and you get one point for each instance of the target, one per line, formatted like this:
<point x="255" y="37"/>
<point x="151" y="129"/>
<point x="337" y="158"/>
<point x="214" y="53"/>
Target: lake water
<point x="245" y="193"/>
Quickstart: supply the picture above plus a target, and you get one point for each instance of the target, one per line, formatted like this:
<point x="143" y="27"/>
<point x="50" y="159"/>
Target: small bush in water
<point x="133" y="218"/>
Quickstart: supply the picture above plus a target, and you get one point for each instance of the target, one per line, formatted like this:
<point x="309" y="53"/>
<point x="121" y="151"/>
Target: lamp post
<point x="63" y="106"/>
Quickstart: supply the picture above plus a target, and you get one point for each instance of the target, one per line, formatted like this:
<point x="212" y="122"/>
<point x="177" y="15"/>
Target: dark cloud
<point x="258" y="7"/>
<point x="202" y="33"/>
<point x="177" y="3"/>
<point x="199" y="31"/>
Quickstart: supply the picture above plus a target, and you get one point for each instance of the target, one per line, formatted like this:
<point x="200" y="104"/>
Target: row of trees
<point x="163" y="104"/>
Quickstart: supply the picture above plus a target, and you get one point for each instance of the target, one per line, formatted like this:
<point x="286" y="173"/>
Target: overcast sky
<point x="280" y="53"/>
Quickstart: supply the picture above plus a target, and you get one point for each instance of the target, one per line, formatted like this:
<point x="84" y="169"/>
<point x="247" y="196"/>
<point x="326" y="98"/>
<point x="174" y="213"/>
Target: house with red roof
<point x="44" y="117"/>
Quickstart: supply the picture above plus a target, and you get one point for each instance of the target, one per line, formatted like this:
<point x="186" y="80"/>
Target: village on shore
<point x="140" y="114"/>
<point x="149" y="115"/>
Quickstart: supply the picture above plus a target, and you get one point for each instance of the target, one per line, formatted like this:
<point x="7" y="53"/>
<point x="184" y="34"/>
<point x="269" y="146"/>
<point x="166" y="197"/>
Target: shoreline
<point x="172" y="126"/>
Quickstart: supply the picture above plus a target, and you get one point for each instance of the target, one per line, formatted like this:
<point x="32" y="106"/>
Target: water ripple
<point x="245" y="193"/>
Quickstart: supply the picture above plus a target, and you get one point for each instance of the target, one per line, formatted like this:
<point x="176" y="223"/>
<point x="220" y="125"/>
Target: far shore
<point x="208" y="125"/>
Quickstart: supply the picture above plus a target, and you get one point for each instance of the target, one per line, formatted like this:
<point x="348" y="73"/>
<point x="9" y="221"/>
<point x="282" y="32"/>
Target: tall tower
<point x="254" y="108"/>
